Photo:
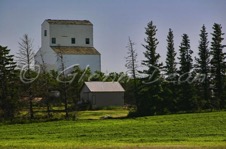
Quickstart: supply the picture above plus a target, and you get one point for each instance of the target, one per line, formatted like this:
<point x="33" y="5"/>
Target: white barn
<point x="73" y="39"/>
<point x="101" y="94"/>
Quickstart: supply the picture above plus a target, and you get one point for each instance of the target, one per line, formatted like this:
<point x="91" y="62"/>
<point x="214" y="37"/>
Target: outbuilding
<point x="101" y="94"/>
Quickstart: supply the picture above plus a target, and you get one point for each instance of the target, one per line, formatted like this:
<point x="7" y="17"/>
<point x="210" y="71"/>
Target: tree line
<point x="189" y="85"/>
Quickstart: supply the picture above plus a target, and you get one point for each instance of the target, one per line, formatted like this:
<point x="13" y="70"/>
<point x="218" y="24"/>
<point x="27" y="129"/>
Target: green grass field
<point x="200" y="130"/>
<point x="97" y="114"/>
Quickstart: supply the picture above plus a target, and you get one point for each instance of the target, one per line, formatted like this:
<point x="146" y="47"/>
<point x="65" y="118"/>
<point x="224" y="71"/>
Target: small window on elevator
<point x="72" y="40"/>
<point x="87" y="40"/>
<point x="53" y="40"/>
<point x="45" y="32"/>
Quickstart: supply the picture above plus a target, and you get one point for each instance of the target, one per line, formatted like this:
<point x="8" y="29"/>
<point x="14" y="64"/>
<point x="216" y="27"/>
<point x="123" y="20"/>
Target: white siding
<point x="45" y="39"/>
<point x="83" y="61"/>
<point x="64" y="33"/>
<point x="49" y="56"/>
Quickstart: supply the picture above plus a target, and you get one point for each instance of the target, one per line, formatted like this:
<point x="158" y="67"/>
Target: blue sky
<point x="114" y="21"/>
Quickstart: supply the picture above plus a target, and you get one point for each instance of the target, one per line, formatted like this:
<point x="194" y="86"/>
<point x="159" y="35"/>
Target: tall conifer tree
<point x="218" y="65"/>
<point x="171" y="54"/>
<point x="186" y="98"/>
<point x="203" y="66"/>
<point x="7" y="83"/>
<point x="170" y="86"/>
<point x="151" y="100"/>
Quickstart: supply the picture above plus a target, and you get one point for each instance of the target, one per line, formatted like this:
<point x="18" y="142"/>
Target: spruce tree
<point x="170" y="86"/>
<point x="218" y="65"/>
<point x="8" y="89"/>
<point x="150" y="92"/>
<point x="185" y="56"/>
<point x="170" y="67"/>
<point x="203" y="66"/>
<point x="186" y="98"/>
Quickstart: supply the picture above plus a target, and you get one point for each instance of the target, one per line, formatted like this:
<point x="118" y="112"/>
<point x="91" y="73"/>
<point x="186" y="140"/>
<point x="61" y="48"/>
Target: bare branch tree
<point x="25" y="59"/>
<point x="131" y="65"/>
<point x="25" y="56"/>
<point x="131" y="59"/>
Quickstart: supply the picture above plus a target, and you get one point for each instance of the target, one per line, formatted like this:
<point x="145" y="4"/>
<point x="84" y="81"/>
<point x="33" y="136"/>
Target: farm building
<point x="101" y="94"/>
<point x="70" y="42"/>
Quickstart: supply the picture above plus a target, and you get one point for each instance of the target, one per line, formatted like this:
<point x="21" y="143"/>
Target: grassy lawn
<point x="202" y="130"/>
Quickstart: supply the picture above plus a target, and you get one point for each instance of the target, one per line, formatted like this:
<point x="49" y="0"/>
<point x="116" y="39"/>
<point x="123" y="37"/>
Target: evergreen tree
<point x="8" y="90"/>
<point x="170" y="60"/>
<point x="218" y="65"/>
<point x="150" y="91"/>
<point x="203" y="66"/>
<point x="185" y="56"/>
<point x="186" y="98"/>
<point x="170" y="86"/>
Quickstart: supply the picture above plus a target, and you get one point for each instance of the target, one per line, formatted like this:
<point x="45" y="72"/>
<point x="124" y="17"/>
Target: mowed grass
<point x="200" y="130"/>
<point x="98" y="114"/>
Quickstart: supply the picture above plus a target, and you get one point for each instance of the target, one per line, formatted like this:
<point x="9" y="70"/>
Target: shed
<point x="101" y="94"/>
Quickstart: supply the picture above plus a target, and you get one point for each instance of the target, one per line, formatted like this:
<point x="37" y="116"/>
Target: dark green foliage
<point x="44" y="86"/>
<point x="150" y="102"/>
<point x="170" y="67"/>
<point x="218" y="66"/>
<point x="187" y="100"/>
<point x="8" y="90"/>
<point x="170" y="86"/>
<point x="130" y="92"/>
<point x="80" y="76"/>
<point x="152" y="58"/>
<point x="202" y="67"/>
<point x="185" y="56"/>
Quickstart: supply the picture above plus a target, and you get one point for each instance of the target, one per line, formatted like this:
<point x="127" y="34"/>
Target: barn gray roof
<point x="104" y="86"/>
<point x="69" y="22"/>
